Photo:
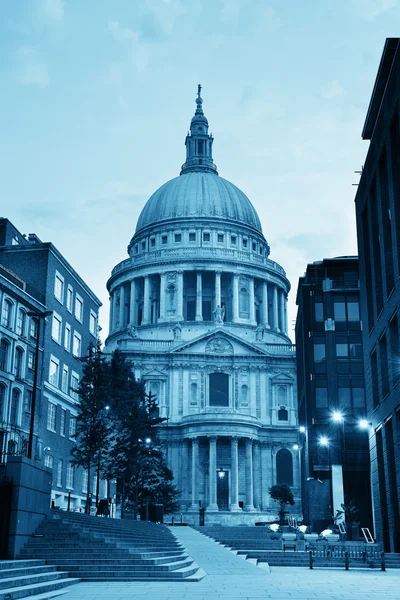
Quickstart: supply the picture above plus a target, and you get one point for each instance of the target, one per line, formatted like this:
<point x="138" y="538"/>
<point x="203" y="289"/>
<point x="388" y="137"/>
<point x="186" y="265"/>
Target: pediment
<point x="282" y="378"/>
<point x="219" y="343"/>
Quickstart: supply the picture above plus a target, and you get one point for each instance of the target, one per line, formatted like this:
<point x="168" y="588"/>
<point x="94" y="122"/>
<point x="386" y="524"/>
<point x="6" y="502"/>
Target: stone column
<point x="162" y="296"/>
<point x="251" y="298"/>
<point x="285" y="319"/>
<point x="184" y="475"/>
<point x="249" y="475"/>
<point x="266" y="474"/>
<point x="122" y="307"/>
<point x="212" y="502"/>
<point x="132" y="306"/>
<point x="199" y="296"/>
<point x="235" y="307"/>
<point x="111" y="321"/>
<point x="257" y="475"/>
<point x="146" y="301"/>
<point x="275" y="307"/>
<point x="265" y="304"/>
<point x="234" y="475"/>
<point x="180" y="297"/>
<point x="217" y="289"/>
<point x="282" y="310"/>
<point x="195" y="460"/>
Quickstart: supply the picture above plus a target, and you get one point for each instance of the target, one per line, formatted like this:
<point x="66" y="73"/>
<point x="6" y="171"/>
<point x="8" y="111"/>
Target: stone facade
<point x="200" y="310"/>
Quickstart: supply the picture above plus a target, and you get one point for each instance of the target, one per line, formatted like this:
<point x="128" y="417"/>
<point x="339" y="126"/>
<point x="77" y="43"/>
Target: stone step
<point x="116" y="575"/>
<point x="73" y="566"/>
<point x="31" y="579"/>
<point x="14" y="572"/>
<point x="18" y="564"/>
<point x="26" y="591"/>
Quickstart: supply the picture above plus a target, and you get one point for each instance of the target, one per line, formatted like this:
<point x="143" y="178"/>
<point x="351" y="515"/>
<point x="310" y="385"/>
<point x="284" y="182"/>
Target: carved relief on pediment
<point x="219" y="345"/>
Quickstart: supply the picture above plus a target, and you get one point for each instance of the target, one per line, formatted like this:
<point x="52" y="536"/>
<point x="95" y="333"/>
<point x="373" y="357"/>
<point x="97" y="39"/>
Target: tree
<point x="282" y="493"/>
<point x="92" y="423"/>
<point x="350" y="513"/>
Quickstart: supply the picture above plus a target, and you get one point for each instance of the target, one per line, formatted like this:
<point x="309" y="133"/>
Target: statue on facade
<point x="219" y="314"/>
<point x="131" y="329"/>
<point x="259" y="333"/>
<point x="177" y="331"/>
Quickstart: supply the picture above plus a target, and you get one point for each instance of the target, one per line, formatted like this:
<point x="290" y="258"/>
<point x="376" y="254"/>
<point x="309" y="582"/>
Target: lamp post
<point x="38" y="316"/>
<point x="337" y="466"/>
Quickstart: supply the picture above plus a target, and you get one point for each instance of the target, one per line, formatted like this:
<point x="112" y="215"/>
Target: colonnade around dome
<point x="194" y="295"/>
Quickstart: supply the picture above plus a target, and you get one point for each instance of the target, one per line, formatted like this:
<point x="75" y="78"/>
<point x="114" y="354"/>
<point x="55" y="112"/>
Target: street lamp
<point x="323" y="441"/>
<point x="337" y="416"/>
<point x="38" y="316"/>
<point x="364" y="424"/>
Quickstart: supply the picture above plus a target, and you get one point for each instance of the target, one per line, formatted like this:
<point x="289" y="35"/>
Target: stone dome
<point x="199" y="194"/>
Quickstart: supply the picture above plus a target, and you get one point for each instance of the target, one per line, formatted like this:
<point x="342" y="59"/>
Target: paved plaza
<point x="228" y="577"/>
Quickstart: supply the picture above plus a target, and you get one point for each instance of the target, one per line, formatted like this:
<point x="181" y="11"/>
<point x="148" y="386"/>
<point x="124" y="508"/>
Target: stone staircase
<point x="102" y="549"/>
<point x="32" y="578"/>
<point x="254" y="544"/>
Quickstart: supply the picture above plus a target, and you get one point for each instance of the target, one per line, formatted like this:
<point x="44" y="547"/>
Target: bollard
<point x="383" y="564"/>
<point x="346" y="560"/>
<point x="364" y="556"/>
<point x="311" y="560"/>
<point x="173" y="521"/>
<point x="69" y="501"/>
<point x="181" y="519"/>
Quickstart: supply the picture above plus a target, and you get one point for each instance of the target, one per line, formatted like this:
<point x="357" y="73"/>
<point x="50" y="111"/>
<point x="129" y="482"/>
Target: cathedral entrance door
<point x="223" y="489"/>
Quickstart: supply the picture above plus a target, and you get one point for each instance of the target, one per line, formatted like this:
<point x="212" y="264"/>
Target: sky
<point x="97" y="96"/>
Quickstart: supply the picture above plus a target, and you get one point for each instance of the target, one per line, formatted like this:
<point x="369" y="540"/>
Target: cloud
<point x="371" y="9"/>
<point x="122" y="34"/>
<point x="53" y="10"/>
<point x="30" y="70"/>
<point x="333" y="89"/>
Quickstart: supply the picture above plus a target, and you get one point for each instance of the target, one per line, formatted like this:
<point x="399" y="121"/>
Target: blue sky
<point x="97" y="96"/>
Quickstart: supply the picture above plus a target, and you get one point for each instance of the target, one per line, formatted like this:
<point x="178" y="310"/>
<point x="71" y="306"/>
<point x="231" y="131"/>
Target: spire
<point x="198" y="142"/>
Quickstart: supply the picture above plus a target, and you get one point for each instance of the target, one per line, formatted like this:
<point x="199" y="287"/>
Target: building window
<point x="93" y="323"/>
<point x="19" y="357"/>
<point x="283" y="414"/>
<point x="33" y="328"/>
<point x="342" y="351"/>
<point x="178" y="237"/>
<point x="143" y="245"/>
<point x="78" y="308"/>
<point x="339" y="310"/>
<point x="319" y="351"/>
<point x="319" y="311"/>
<point x="63" y="421"/>
<point x="153" y="242"/>
<point x="59" y="472"/>
<point x="70" y="477"/>
<point x="56" y="328"/>
<point x="54" y="371"/>
<point x="233" y="240"/>
<point x="72" y="426"/>
<point x="14" y="412"/>
<point x="21" y="319"/>
<point x="244" y="303"/>
<point x="192" y="236"/>
<point x="206" y="237"/>
<point x="6" y="314"/>
<point x="27" y="408"/>
<point x="70" y="298"/>
<point x="74" y="385"/>
<point x="31" y="360"/>
<point x="219" y="389"/>
<point x="321" y="397"/>
<point x="64" y="379"/>
<point x="2" y="404"/>
<point x="254" y="247"/>
<point x="244" y="243"/>
<point x="51" y="417"/>
<point x="284" y="467"/>
<point x="76" y="344"/>
<point x="164" y="239"/>
<point x="59" y="287"/>
<point x="67" y="337"/>
<point x="4" y="348"/>
<point x="48" y="461"/>
<point x="85" y="479"/>
<point x="220" y="238"/>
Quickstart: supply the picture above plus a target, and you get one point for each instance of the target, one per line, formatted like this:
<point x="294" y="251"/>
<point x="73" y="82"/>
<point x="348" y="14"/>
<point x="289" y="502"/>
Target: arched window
<point x="21" y="319"/>
<point x="14" y="412"/>
<point x="19" y="358"/>
<point x="284" y="467"/>
<point x="219" y="389"/>
<point x="3" y="390"/>
<point x="244" y="303"/>
<point x="281" y="394"/>
<point x="4" y="348"/>
<point x="244" y="393"/>
<point x="171" y="290"/>
<point x="6" y="314"/>
<point x="193" y="393"/>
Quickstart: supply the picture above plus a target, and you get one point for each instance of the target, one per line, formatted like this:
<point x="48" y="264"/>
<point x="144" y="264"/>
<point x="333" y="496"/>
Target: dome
<point x="199" y="194"/>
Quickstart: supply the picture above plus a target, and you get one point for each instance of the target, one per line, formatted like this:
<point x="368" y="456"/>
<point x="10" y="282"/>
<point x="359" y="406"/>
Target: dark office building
<point x="331" y="393"/>
<point x="378" y="232"/>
